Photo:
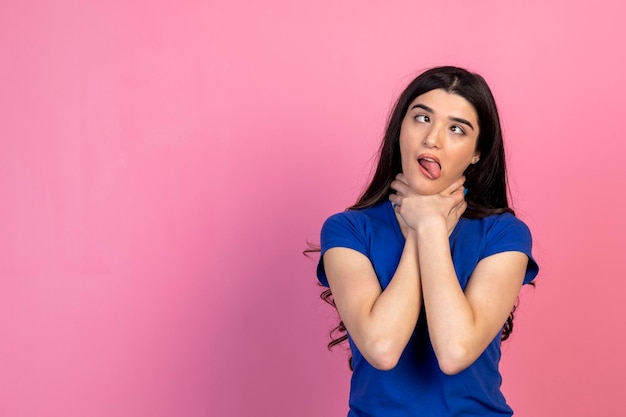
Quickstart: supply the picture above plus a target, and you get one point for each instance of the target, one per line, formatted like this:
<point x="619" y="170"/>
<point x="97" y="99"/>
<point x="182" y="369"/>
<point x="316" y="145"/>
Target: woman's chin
<point x="428" y="188"/>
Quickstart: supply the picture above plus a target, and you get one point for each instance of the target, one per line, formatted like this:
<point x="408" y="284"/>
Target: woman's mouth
<point x="431" y="167"/>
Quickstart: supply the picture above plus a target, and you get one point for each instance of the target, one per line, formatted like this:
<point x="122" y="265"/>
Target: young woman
<point x="426" y="267"/>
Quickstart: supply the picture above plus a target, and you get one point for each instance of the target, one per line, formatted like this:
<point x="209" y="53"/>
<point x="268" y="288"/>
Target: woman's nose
<point x="433" y="138"/>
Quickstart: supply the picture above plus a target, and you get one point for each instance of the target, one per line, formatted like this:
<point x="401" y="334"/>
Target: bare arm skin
<point x="460" y="324"/>
<point x="379" y="322"/>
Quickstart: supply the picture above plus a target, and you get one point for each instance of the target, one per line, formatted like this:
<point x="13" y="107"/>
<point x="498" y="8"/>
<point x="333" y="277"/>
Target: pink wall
<point x="162" y="165"/>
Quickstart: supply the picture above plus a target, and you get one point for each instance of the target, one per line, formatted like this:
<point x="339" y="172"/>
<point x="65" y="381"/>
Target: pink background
<point x="163" y="163"/>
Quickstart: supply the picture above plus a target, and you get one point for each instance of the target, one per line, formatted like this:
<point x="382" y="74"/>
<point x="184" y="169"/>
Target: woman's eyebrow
<point x="423" y="106"/>
<point x="463" y="121"/>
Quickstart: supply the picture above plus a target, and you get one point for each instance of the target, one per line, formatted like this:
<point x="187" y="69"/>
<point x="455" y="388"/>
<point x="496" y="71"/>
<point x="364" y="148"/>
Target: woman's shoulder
<point x="360" y="216"/>
<point x="495" y="231"/>
<point x="508" y="222"/>
<point x="502" y="221"/>
<point x="363" y="225"/>
<point x="498" y="233"/>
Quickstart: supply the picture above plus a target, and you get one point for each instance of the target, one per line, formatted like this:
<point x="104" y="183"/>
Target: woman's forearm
<point x="450" y="316"/>
<point x="462" y="322"/>
<point x="379" y="322"/>
<point x="396" y="311"/>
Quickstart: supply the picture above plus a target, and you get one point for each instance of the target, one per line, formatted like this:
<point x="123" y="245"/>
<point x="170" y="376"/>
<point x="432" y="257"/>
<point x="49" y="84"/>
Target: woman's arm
<point x="379" y="322"/>
<point x="460" y="324"/>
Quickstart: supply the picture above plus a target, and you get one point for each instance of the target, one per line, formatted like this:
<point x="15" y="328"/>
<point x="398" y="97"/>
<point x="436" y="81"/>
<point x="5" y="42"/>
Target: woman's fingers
<point x="456" y="186"/>
<point x="455" y="214"/>
<point x="400" y="187"/>
<point x="395" y="199"/>
<point x="401" y="177"/>
<point x="459" y="208"/>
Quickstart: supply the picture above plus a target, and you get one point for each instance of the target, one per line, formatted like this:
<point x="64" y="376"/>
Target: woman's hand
<point x="414" y="208"/>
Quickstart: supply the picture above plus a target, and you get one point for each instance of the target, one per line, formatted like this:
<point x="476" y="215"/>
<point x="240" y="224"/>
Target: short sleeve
<point x="511" y="234"/>
<point x="342" y="230"/>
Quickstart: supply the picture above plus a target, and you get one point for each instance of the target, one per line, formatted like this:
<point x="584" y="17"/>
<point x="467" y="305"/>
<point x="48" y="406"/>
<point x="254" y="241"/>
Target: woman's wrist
<point x="432" y="225"/>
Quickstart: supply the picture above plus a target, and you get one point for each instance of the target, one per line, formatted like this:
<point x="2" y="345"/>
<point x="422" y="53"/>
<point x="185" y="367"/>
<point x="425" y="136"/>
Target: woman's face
<point x="438" y="140"/>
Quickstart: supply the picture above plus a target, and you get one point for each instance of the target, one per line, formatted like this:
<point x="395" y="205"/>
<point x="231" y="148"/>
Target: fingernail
<point x="464" y="192"/>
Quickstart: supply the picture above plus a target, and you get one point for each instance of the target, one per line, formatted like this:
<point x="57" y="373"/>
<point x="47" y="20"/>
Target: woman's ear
<point x="476" y="158"/>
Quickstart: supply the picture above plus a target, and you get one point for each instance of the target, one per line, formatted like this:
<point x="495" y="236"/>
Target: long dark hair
<point x="486" y="181"/>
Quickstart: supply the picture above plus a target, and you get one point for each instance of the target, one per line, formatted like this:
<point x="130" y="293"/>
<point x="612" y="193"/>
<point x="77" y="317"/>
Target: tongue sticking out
<point x="433" y="168"/>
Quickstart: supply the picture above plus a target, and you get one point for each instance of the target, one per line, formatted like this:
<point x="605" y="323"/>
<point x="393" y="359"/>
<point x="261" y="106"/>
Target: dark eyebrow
<point x="463" y="121"/>
<point x="454" y="119"/>
<point x="423" y="106"/>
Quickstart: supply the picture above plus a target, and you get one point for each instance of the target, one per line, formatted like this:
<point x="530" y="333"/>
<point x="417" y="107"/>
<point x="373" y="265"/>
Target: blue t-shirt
<point x="416" y="386"/>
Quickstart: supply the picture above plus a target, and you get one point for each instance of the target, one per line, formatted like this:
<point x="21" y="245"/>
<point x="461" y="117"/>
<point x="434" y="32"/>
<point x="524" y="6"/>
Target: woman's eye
<point x="422" y="118"/>
<point x="458" y="129"/>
